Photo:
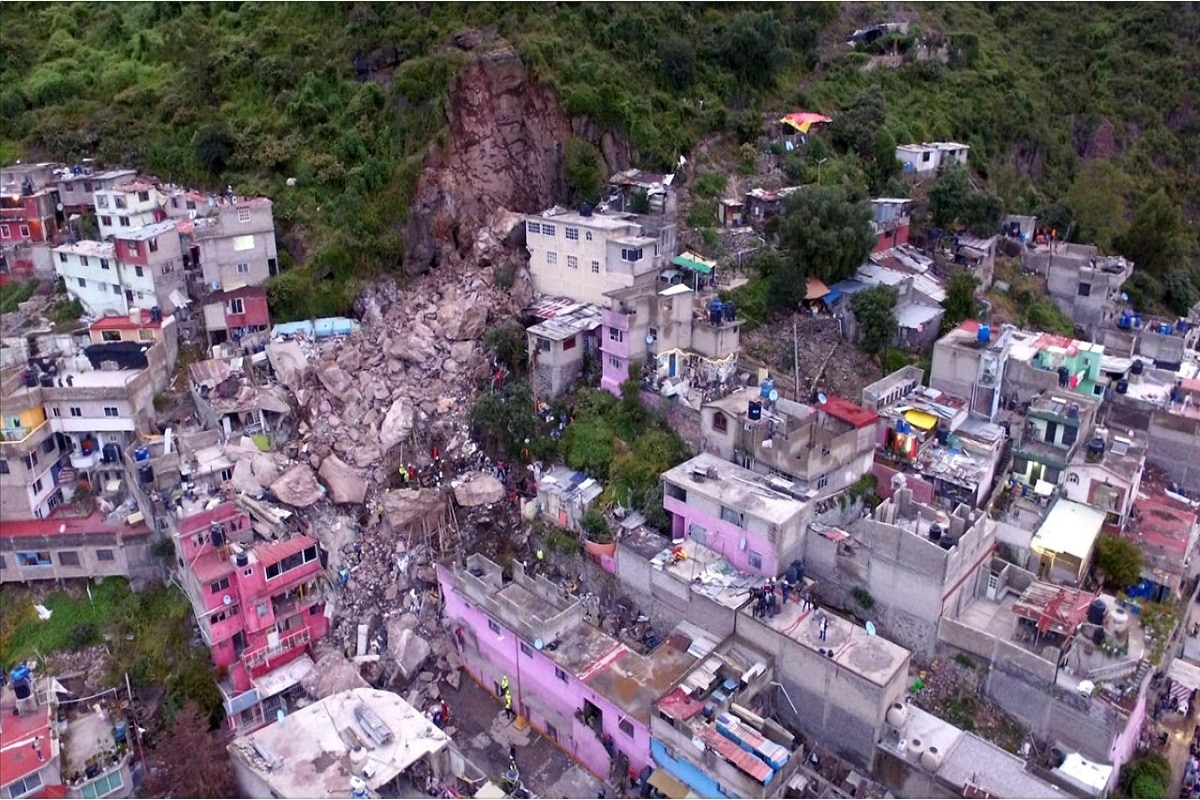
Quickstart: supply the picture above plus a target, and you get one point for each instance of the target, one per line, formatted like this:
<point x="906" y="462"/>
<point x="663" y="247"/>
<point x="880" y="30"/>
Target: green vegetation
<point x="825" y="233"/>
<point x="874" y="309"/>
<point x="863" y="598"/>
<point x="1118" y="560"/>
<point x="347" y="99"/>
<point x="65" y="313"/>
<point x="13" y="293"/>
<point x="710" y="184"/>
<point x="596" y="526"/>
<point x="1146" y="775"/>
<point x="960" y="300"/>
<point x="147" y="634"/>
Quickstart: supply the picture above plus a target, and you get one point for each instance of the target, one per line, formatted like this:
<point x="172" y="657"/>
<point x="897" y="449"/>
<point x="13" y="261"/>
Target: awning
<point x="921" y="419"/>
<point x="693" y="262"/>
<point x="285" y="677"/>
<point x="668" y="784"/>
<point x="803" y="120"/>
<point x="815" y="289"/>
<point x="1184" y="673"/>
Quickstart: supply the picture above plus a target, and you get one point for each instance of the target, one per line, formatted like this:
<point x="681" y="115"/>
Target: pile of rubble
<point x="833" y="364"/>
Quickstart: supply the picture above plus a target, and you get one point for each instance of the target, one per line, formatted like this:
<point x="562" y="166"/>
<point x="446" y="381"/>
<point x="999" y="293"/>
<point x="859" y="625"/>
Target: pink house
<point x="585" y="690"/>
<point x="259" y="606"/>
<point x="757" y="527"/>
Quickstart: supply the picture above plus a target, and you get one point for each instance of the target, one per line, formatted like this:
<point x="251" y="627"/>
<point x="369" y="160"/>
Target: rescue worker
<point x="508" y="709"/>
<point x="504" y="684"/>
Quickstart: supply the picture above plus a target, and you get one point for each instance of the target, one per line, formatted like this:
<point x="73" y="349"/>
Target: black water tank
<point x="22" y="689"/>
<point x="1137" y="367"/>
<point x="935" y="532"/>
<point x="1122" y="386"/>
<point x="1096" y="612"/>
<point x="947" y="542"/>
<point x="241" y="559"/>
<point x="146" y="474"/>
<point x="1098" y="636"/>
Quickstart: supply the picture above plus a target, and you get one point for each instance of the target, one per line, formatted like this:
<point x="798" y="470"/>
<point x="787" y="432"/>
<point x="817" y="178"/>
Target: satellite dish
<point x="227" y="600"/>
<point x="649" y="339"/>
<point x="821" y="398"/>
<point x="773" y="396"/>
<point x="59" y="207"/>
<point x="870" y="628"/>
<point x="538" y="644"/>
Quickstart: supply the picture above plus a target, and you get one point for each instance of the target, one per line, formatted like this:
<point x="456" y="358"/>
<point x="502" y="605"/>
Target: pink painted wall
<point x="922" y="489"/>
<point x="724" y="537"/>
<point x="1123" y="746"/>
<point x="612" y="377"/>
<point x="498" y="655"/>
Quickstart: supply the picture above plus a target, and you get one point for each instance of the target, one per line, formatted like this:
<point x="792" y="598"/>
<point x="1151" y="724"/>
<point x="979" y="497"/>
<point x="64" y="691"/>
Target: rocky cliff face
<point x="503" y="154"/>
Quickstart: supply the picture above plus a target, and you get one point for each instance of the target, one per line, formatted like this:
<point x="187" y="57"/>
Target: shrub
<point x="710" y="184"/>
<point x="965" y="660"/>
<point x="864" y="598"/>
<point x="596" y="526"/>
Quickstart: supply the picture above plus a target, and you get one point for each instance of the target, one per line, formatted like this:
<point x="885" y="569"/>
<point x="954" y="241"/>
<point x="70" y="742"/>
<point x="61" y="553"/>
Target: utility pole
<point x="796" y="357"/>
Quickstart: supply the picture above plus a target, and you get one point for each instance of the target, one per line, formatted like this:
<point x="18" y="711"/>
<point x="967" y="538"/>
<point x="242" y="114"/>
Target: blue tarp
<point x="832" y="297"/>
<point x="320" y="328"/>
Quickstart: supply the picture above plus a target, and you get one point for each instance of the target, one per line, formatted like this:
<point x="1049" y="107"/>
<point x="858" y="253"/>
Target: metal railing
<point x="262" y="655"/>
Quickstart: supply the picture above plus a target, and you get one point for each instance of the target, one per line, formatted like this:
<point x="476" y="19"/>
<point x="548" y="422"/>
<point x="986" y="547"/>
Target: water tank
<point x="1095" y="449"/>
<point x="1164" y="329"/>
<point x="146" y="474"/>
<point x="897" y="715"/>
<point x="755" y="410"/>
<point x="47" y="380"/>
<point x="119" y="732"/>
<point x="716" y="310"/>
<point x="730" y="311"/>
<point x="31" y="378"/>
<point x="935" y="532"/>
<point x="1118" y="621"/>
<point x="1137" y="367"/>
<point x="916" y="748"/>
<point x="985" y="334"/>
<point x="141" y="453"/>
<point x="241" y="559"/>
<point x="931" y="759"/>
<point x="1096" y="611"/>
<point x="156" y="314"/>
<point x="585" y="210"/>
<point x="1126" y="321"/>
<point x="1122" y="386"/>
<point x="947" y="542"/>
<point x="1098" y="636"/>
<point x="765" y="388"/>
<point x="1137" y="322"/>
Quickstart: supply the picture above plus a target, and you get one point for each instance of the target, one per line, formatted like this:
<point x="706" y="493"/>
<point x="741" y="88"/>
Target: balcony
<point x="16" y="435"/>
<point x="90" y="461"/>
<point x="263" y="655"/>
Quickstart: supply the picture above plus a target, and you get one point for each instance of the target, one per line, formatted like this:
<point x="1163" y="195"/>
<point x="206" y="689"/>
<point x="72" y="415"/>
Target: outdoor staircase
<point x="1144" y="666"/>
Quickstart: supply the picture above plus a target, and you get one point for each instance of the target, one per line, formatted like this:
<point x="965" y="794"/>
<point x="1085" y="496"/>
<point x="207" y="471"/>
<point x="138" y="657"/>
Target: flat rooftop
<point x="61" y="525"/>
<point x="609" y="221"/>
<point x="870" y="657"/>
<point x="707" y="573"/>
<point x="306" y="754"/>
<point x="734" y="487"/>
<point x="88" y="248"/>
<point x="736" y="403"/>
<point x="148" y="231"/>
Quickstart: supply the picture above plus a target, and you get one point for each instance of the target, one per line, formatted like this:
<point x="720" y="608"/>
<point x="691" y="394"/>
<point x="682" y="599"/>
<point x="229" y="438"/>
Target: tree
<point x="214" y="145"/>
<point x="960" y="299"/>
<point x="582" y="166"/>
<point x="190" y="760"/>
<point x="1180" y="290"/>
<point x="824" y="235"/>
<point x="506" y="416"/>
<point x="1147" y="775"/>
<point x="1155" y="238"/>
<point x="754" y="47"/>
<point x="677" y="60"/>
<point x="955" y="204"/>
<point x="1097" y="200"/>
<point x="874" y="309"/>
<point x="1119" y="560"/>
<point x="854" y="127"/>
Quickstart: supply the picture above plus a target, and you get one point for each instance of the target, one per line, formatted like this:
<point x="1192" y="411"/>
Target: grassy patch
<point x="14" y="293"/>
<point x="24" y="635"/>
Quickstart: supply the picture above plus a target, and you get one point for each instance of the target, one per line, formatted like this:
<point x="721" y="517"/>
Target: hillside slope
<point x="361" y="105"/>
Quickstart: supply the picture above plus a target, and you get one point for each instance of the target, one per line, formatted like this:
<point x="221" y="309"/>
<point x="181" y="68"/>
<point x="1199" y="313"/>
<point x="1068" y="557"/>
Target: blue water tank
<point x="19" y="674"/>
<point x="730" y="311"/>
<point x="716" y="310"/>
<point x="985" y="334"/>
<point x="1164" y="329"/>
<point x="1126" y="321"/>
<point x="1137" y="322"/>
<point x="765" y="388"/>
<point x="141" y="454"/>
<point x="119" y="733"/>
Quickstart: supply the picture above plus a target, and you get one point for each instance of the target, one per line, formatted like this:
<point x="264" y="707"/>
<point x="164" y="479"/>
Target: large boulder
<point x="332" y="673"/>
<point x="289" y="362"/>
<point x="461" y="319"/>
<point x="344" y="483"/>
<point x="298" y="487"/>
<point x="410" y="652"/>
<point x="479" y="490"/>
<point x="404" y="507"/>
<point x="335" y="379"/>
<point x="397" y="424"/>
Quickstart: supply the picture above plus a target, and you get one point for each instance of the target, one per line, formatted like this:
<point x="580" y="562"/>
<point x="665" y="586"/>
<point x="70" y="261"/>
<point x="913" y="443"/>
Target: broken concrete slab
<point x="344" y="483"/>
<point x="410" y="652"/>
<point x="298" y="487"/>
<point x="397" y="424"/>
<point x="331" y="674"/>
<point x="478" y="490"/>
<point x="403" y="507"/>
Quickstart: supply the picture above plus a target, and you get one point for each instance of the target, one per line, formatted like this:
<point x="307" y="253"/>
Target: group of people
<point x="769" y="597"/>
<point x="1191" y="773"/>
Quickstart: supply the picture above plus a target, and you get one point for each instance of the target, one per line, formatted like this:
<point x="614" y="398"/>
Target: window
<point x="547" y="229"/>
<point x="48" y="446"/>
<point x="174" y="202"/>
<point x="226" y="474"/>
<point x="5" y="232"/>
<point x="551" y="257"/>
<point x="243" y="268"/>
<point x="243" y="215"/>
<point x="37" y="486"/>
<point x="40" y="558"/>
<point x="168" y="268"/>
<point x="1070" y="434"/>
<point x="62" y="258"/>
<point x="26" y="785"/>
<point x="31" y="460"/>
<point x="731" y="515"/>
<point x="111" y="411"/>
<point x="83" y="261"/>
<point x="1085" y="290"/>
<point x="631" y="254"/>
<point x="103" y="786"/>
<point x="82" y="283"/>
<point x="219" y="586"/>
<point x="190" y="205"/>
<point x="106" y="221"/>
<point x="76" y="411"/>
<point x="572" y="234"/>
<point x="119" y="202"/>
<point x="698" y="534"/>
<point x="588" y="236"/>
<point x="678" y="492"/>
<point x="135" y="248"/>
<point x="110" y="336"/>
<point x="123" y="221"/>
<point x="143" y="196"/>
<point x="57" y="411"/>
<point x="925" y="156"/>
<point x="141" y="273"/>
<point x="552" y="732"/>
<point x="3" y="466"/>
<point x="533" y="227"/>
<point x="572" y="262"/>
<point x="569" y="344"/>
<point x="24" y="231"/>
<point x="237" y="306"/>
<point x="153" y="245"/>
<point x="755" y="559"/>
<point x="288" y="563"/>
<point x="543" y="344"/>
<point x="720" y="423"/>
<point x="823" y="481"/>
<point x="87" y="186"/>
<point x="614" y="362"/>
<point x="247" y="572"/>
<point x="493" y="626"/>
<point x="105" y="555"/>
<point x="527" y="650"/>
<point x="561" y="675"/>
<point x="146" y="334"/>
<point x="595" y="267"/>
<point x="104" y="263"/>
<point x="616" y="334"/>
<point x="262" y="610"/>
<point x="116" y="289"/>
<point x="68" y="558"/>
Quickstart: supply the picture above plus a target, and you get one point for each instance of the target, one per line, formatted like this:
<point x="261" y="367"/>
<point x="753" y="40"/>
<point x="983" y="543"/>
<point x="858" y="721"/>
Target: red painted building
<point x="231" y="315"/>
<point x="29" y="218"/>
<point x="259" y="605"/>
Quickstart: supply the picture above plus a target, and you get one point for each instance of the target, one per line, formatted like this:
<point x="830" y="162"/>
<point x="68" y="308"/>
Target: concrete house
<point x="970" y="362"/>
<point x="738" y="513"/>
<point x="1040" y="362"/>
<point x="814" y="450"/>
<point x="558" y="347"/>
<point x="585" y="255"/>
<point x="890" y="220"/>
<point x="29" y="212"/>
<point x="1083" y="284"/>
<point x="230" y="315"/>
<point x="77" y="185"/>
<point x="1107" y="474"/>
<point x="126" y="206"/>
<point x="151" y="259"/>
<point x="236" y="244"/>
<point x="930" y="159"/>
<point x="1057" y="426"/>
